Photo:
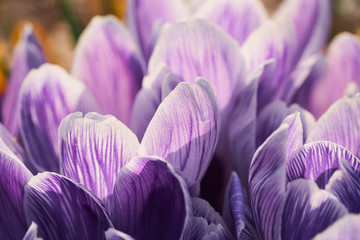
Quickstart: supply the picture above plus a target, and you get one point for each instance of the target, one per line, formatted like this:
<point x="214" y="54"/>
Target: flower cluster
<point x="196" y="120"/>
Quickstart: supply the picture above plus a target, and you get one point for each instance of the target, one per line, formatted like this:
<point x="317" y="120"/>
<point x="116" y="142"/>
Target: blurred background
<point x="58" y="24"/>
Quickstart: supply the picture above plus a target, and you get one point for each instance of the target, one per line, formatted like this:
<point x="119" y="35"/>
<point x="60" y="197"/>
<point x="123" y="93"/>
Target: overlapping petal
<point x="113" y="234"/>
<point x="28" y="55"/>
<point x="64" y="209"/>
<point x="185" y="129"/>
<point x="340" y="124"/>
<point x="32" y="232"/>
<point x="93" y="149"/>
<point x="107" y="60"/>
<point x="198" y="48"/>
<point x="238" y="18"/>
<point x="308" y="210"/>
<point x="14" y="176"/>
<point x="47" y="96"/>
<point x="149" y="195"/>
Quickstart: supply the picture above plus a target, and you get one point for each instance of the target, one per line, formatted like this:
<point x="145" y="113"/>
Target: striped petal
<point x="64" y="209"/>
<point x="340" y="125"/>
<point x="238" y="18"/>
<point x="345" y="228"/>
<point x="93" y="149"/>
<point x="13" y="178"/>
<point x="308" y="210"/>
<point x="47" y="96"/>
<point x="143" y="16"/>
<point x="107" y="60"/>
<point x="185" y="129"/>
<point x="318" y="161"/>
<point x="149" y="195"/>
<point x="28" y="55"/>
<point x="234" y="206"/>
<point x="198" y="48"/>
<point x="345" y="185"/>
<point x="206" y="223"/>
<point x="272" y="40"/>
<point x="271" y="117"/>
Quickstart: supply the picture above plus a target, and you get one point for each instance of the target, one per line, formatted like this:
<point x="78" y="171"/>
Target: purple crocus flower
<point x="295" y="186"/>
<point x="27" y="55"/>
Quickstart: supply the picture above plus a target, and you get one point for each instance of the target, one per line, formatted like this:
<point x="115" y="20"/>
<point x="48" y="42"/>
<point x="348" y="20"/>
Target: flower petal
<point x="318" y="161"/>
<point x="340" y="125"/>
<point x="345" y="185"/>
<point x="271" y="117"/>
<point x="32" y="232"/>
<point x="272" y="40"/>
<point x="238" y="18"/>
<point x="267" y="183"/>
<point x="234" y="206"/>
<point x="185" y="129"/>
<point x="149" y="195"/>
<point x="343" y="67"/>
<point x="206" y="223"/>
<point x="13" y="178"/>
<point x="198" y="48"/>
<point x="107" y="60"/>
<point x="28" y="55"/>
<point x="143" y="15"/>
<point x="64" y="209"/>
<point x="113" y="234"/>
<point x="93" y="148"/>
<point x="345" y="228"/>
<point x="47" y="96"/>
<point x="308" y="210"/>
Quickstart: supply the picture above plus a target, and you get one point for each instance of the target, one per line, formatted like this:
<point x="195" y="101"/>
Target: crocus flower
<point x="28" y="55"/>
<point x="295" y="186"/>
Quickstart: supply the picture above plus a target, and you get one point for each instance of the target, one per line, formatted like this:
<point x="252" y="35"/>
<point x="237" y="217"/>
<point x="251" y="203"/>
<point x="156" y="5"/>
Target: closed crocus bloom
<point x="47" y="95"/>
<point x="27" y="55"/>
<point x="108" y="61"/>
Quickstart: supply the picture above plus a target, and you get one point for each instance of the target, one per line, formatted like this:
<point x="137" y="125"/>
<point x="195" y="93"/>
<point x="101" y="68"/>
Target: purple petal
<point x="271" y="117"/>
<point x="32" y="232"/>
<point x="207" y="224"/>
<point x="234" y="206"/>
<point x="13" y="178"/>
<point x="113" y="234"/>
<point x="64" y="209"/>
<point x="149" y="195"/>
<point x="185" y="129"/>
<point x="272" y="40"/>
<point x="318" y="161"/>
<point x="144" y="15"/>
<point x="47" y="96"/>
<point x="267" y="184"/>
<point x="343" y="67"/>
<point x="308" y="210"/>
<point x="28" y="55"/>
<point x="304" y="20"/>
<point x="238" y="18"/>
<point x="339" y="125"/>
<point x="108" y="62"/>
<point x="148" y="99"/>
<point x="345" y="228"/>
<point x="198" y="48"/>
<point x="345" y="185"/>
<point x="93" y="148"/>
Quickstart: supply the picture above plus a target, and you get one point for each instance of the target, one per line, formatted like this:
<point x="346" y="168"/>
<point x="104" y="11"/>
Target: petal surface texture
<point x="185" y="129"/>
<point x="148" y="196"/>
<point x="107" y="60"/>
<point x="93" y="150"/>
<point x="47" y="96"/>
<point x="64" y="209"/>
